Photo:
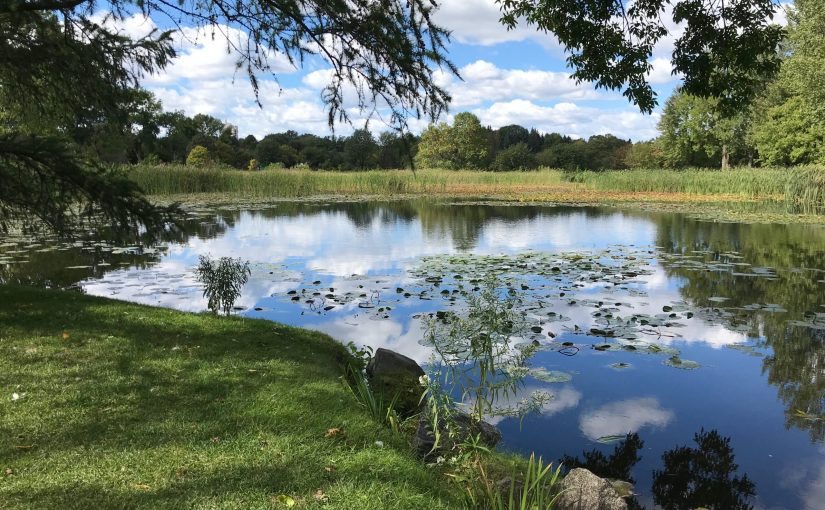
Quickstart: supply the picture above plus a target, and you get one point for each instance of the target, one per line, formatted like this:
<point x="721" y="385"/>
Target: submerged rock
<point x="395" y="376"/>
<point x="582" y="490"/>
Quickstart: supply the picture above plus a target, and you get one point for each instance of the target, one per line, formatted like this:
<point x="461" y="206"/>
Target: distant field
<point x="802" y="189"/>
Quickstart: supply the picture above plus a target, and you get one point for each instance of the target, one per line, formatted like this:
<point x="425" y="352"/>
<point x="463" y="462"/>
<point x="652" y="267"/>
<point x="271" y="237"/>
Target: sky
<point x="509" y="77"/>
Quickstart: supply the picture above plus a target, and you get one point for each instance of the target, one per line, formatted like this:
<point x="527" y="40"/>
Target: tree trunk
<point x="725" y="157"/>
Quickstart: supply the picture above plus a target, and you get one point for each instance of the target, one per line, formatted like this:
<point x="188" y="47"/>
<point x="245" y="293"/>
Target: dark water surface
<point x="718" y="329"/>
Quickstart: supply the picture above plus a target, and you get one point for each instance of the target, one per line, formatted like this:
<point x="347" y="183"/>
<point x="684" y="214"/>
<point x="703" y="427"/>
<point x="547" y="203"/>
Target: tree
<point x="462" y="145"/>
<point x="360" y="150"/>
<point x="54" y="75"/>
<point x="57" y="64"/>
<point x="791" y="113"/>
<point x="695" y="132"/>
<point x="515" y="157"/>
<point x="726" y="51"/>
<point x="198" y="156"/>
<point x="512" y="135"/>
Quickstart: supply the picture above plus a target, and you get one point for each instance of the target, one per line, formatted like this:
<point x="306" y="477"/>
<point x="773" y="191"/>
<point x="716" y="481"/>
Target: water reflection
<point x="797" y="255"/>
<point x="700" y="476"/>
<point x="747" y="300"/>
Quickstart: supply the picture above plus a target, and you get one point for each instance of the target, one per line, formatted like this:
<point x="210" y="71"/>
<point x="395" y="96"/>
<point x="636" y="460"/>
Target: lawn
<point x="105" y="404"/>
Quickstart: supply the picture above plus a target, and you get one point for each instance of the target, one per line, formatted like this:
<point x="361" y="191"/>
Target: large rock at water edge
<point x="395" y="376"/>
<point x="582" y="490"/>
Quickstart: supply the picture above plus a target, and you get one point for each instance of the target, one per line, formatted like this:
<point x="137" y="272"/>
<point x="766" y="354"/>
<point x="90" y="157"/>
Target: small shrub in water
<point x="223" y="281"/>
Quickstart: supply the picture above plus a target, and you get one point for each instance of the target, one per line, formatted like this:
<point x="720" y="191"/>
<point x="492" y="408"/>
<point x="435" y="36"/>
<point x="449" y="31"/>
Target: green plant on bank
<point x="477" y="358"/>
<point x="535" y="488"/>
<point x="477" y="354"/>
<point x="223" y="281"/>
<point x="380" y="410"/>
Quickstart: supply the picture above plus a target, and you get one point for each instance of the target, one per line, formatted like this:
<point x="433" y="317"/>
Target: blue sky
<point x="510" y="77"/>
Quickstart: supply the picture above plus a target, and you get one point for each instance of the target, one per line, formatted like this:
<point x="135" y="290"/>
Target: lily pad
<point x="550" y="376"/>
<point x="683" y="364"/>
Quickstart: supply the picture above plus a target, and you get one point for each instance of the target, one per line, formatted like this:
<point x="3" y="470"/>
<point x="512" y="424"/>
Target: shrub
<point x="223" y="281"/>
<point x="198" y="156"/>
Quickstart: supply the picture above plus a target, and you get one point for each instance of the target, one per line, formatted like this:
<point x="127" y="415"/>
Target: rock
<point x="424" y="438"/>
<point x="395" y="376"/>
<point x="582" y="490"/>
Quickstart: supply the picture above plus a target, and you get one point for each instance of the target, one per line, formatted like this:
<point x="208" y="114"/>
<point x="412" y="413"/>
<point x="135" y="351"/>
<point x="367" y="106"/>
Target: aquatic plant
<point x="223" y="281"/>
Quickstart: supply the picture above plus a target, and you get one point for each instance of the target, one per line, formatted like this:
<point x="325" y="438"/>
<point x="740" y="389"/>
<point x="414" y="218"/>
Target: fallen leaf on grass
<point x="141" y="486"/>
<point x="330" y="469"/>
<point x="334" y="432"/>
<point x="65" y="335"/>
<point x="320" y="496"/>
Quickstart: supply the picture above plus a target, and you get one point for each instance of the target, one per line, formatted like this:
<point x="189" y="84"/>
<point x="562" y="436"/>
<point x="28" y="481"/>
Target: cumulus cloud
<point x="571" y="119"/>
<point x="624" y="417"/>
<point x="484" y="81"/>
<point x="477" y="22"/>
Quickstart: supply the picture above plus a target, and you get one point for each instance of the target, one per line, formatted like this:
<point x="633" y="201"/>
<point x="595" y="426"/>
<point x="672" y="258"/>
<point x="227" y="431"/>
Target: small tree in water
<point x="223" y="281"/>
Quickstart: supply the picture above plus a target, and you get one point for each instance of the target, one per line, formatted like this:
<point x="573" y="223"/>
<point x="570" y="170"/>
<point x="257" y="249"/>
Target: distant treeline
<point x="157" y="137"/>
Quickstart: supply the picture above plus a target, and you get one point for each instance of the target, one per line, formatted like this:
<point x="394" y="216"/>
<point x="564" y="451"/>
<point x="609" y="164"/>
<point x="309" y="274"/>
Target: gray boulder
<point x="582" y="490"/>
<point x="395" y="376"/>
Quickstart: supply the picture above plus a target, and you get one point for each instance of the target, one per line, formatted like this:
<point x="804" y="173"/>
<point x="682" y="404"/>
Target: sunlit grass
<point x="126" y="406"/>
<point x="801" y="189"/>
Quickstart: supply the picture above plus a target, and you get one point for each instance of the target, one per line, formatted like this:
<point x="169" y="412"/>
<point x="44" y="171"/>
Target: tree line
<point x="153" y="136"/>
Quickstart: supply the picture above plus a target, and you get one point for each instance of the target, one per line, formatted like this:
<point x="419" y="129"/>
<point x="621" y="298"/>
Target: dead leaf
<point x="333" y="433"/>
<point x="65" y="335"/>
<point x="9" y="471"/>
<point x="141" y="486"/>
<point x="216" y="439"/>
<point x="24" y="446"/>
<point x="330" y="469"/>
<point x="320" y="496"/>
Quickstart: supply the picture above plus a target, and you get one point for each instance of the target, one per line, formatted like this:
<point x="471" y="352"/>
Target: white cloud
<point x="484" y="81"/>
<point x="624" y="417"/>
<point x="477" y="22"/>
<point x="571" y="119"/>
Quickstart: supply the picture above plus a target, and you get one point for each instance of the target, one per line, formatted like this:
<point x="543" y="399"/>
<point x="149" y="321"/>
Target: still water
<point x="685" y="356"/>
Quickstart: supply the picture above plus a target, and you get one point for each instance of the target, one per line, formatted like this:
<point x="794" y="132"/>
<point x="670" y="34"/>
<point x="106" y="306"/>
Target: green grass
<point x="179" y="179"/>
<point x="140" y="407"/>
<point x="747" y="182"/>
<point x="801" y="189"/>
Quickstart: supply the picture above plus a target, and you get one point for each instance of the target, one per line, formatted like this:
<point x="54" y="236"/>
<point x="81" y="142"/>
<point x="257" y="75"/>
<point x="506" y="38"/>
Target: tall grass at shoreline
<point x="802" y="189"/>
<point x="747" y="182"/>
<point x="178" y="179"/>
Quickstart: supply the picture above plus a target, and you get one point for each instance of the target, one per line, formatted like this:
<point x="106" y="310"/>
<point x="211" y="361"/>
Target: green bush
<point x="198" y="156"/>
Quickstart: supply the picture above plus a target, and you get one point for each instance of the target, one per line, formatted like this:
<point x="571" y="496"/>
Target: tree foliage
<point x="63" y="72"/>
<point x="726" y="50"/>
<point x="695" y="132"/>
<point x="791" y="127"/>
<point x="462" y="145"/>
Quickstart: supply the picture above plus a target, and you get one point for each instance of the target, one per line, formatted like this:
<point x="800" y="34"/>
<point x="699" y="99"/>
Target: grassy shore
<point x="105" y="404"/>
<point x="800" y="190"/>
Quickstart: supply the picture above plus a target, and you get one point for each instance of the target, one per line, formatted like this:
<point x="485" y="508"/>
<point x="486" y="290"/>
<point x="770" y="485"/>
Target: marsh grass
<point x="801" y="189"/>
<point x="805" y="191"/>
<point x="128" y="406"/>
<point x="761" y="183"/>
<point x="179" y="179"/>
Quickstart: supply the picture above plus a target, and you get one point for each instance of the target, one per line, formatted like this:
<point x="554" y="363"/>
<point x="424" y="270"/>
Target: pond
<point x="682" y="355"/>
